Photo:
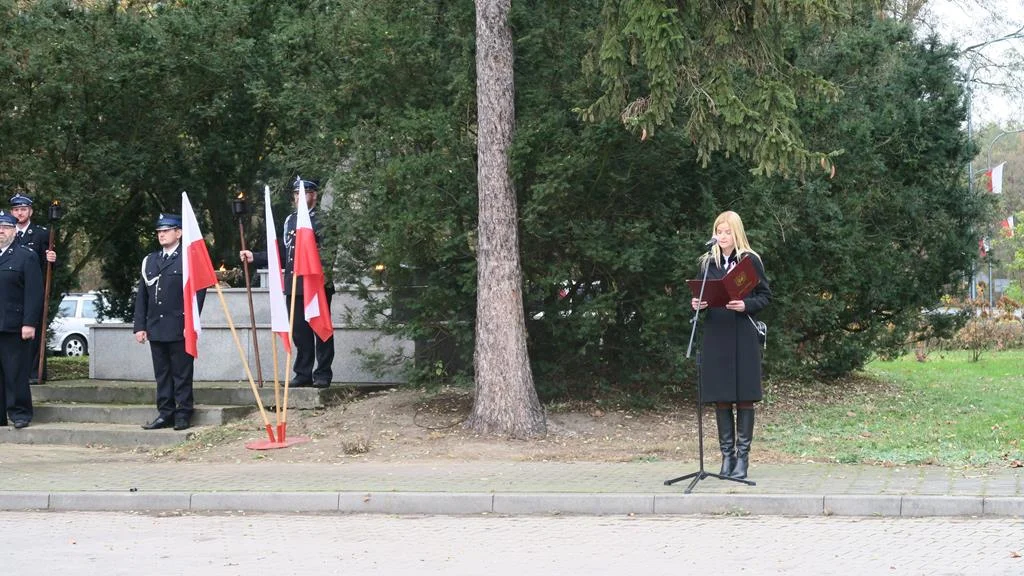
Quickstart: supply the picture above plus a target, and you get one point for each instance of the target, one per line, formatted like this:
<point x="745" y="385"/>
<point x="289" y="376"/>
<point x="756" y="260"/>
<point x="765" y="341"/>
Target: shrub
<point x="990" y="329"/>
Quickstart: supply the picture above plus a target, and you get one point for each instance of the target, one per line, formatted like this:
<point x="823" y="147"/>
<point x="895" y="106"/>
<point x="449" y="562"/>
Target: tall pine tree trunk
<point x="506" y="401"/>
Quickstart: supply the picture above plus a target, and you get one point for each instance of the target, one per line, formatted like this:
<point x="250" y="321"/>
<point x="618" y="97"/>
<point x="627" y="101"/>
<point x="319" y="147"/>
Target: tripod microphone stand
<point x="701" y="474"/>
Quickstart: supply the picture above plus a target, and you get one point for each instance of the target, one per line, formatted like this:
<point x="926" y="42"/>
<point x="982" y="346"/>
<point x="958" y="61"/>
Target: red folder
<point x="735" y="285"/>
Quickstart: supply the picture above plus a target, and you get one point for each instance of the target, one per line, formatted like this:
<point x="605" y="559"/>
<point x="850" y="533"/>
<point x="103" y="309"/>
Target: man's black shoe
<point x="181" y="423"/>
<point x="19" y="424"/>
<point x="301" y="384"/>
<point x="160" y="422"/>
<point x="321" y="384"/>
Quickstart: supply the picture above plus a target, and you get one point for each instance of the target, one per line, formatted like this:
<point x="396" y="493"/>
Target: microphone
<point x="711" y="242"/>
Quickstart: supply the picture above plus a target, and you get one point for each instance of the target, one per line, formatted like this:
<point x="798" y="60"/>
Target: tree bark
<point x="506" y="401"/>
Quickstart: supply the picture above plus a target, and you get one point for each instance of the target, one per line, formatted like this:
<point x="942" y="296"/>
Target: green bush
<point x="67" y="367"/>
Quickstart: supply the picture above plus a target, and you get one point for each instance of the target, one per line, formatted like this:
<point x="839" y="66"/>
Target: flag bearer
<point x="160" y="320"/>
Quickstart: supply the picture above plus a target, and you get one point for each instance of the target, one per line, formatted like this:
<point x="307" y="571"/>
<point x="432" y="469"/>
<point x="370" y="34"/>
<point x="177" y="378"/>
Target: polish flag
<point x="995" y="179"/>
<point x="308" y="267"/>
<point x="196" y="272"/>
<point x="278" y="307"/>
<point x="1007" y="226"/>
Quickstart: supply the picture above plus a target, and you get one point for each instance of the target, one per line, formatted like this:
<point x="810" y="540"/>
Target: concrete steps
<point x="92" y="434"/>
<point x="111" y="413"/>
<point x="132" y="414"/>
<point x="206" y="393"/>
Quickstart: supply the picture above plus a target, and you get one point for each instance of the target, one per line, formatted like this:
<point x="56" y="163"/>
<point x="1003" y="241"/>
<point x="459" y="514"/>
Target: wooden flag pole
<point x="252" y="313"/>
<point x="46" y="311"/>
<point x="277" y="386"/>
<point x="55" y="214"/>
<point x="248" y="372"/>
<point x="288" y="358"/>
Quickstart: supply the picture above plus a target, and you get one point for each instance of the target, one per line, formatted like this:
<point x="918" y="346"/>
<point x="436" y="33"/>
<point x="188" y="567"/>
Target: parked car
<point x="70" y="327"/>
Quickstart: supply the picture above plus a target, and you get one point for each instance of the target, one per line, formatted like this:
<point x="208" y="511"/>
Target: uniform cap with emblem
<point x="168" y="222"/>
<point x="20" y="200"/>
<point x="7" y="219"/>
<point x="309" y="185"/>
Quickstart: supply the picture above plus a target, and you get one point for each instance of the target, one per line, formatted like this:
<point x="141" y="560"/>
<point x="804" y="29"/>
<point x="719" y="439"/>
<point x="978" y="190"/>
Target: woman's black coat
<point x="731" y="352"/>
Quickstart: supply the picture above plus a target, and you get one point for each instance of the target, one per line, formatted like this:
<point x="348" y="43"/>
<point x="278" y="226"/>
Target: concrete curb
<point x="567" y="503"/>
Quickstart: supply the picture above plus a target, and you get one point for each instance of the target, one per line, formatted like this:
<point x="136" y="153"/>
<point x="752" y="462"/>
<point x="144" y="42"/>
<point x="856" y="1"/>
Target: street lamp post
<point x="976" y="63"/>
<point x="991" y="281"/>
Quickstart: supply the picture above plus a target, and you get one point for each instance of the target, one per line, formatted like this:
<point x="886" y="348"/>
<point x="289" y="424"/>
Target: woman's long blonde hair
<point x="739" y="236"/>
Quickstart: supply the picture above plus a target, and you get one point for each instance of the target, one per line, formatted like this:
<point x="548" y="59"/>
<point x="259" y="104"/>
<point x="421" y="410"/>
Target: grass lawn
<point x="945" y="411"/>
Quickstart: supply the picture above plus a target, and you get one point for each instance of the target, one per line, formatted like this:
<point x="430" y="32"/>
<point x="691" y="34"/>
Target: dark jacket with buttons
<point x="37" y="239"/>
<point x="159" y="298"/>
<point x="21" y="289"/>
<point x="286" y="248"/>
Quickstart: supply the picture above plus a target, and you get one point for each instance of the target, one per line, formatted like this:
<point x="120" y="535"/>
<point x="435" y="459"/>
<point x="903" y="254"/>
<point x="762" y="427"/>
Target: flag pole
<point x="248" y="372"/>
<point x="277" y="389"/>
<point x="288" y="359"/>
<point x="55" y="215"/>
<point x="239" y="208"/>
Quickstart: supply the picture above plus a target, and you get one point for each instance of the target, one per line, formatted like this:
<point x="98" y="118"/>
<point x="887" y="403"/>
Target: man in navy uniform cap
<point x="21" y="306"/>
<point x="36" y="238"/>
<point x="308" y="345"/>
<point x="160" y="320"/>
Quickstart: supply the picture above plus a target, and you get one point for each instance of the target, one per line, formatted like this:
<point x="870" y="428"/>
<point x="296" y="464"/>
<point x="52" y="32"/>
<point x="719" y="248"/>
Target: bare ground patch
<point x="410" y="424"/>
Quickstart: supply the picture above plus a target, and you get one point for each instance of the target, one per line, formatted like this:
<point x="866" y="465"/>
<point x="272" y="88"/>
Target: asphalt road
<point x="110" y="544"/>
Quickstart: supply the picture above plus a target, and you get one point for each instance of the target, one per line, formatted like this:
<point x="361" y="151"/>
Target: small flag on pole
<point x="196" y="270"/>
<point x="278" y="306"/>
<point x="1007" y="226"/>
<point x="995" y="179"/>
<point x="308" y="267"/>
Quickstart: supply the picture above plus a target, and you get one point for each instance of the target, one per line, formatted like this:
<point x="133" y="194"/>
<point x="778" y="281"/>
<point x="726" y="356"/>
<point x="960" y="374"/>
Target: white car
<point x="70" y="327"/>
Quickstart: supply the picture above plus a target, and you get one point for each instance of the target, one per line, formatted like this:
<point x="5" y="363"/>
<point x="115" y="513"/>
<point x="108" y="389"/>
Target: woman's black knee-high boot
<point x="744" y="437"/>
<point x="726" y="439"/>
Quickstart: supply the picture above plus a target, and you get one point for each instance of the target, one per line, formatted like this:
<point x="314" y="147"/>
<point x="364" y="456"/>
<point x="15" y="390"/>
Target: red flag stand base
<point x="268" y="445"/>
<point x="282" y="439"/>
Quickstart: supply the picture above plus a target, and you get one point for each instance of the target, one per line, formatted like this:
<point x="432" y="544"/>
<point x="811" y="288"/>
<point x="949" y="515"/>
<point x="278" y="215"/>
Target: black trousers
<point x="173" y="368"/>
<point x="15" y="356"/>
<point x="309" y="346"/>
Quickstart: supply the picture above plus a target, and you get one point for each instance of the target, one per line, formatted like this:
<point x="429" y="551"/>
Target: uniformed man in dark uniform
<point x="21" y="306"/>
<point x="36" y="238"/>
<point x="308" y="346"/>
<point x="160" y="320"/>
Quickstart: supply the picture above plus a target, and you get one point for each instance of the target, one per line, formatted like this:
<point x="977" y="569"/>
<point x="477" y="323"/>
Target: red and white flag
<point x="278" y="307"/>
<point x="1007" y="226"/>
<point x="196" y="271"/>
<point x="308" y="267"/>
<point x="995" y="179"/>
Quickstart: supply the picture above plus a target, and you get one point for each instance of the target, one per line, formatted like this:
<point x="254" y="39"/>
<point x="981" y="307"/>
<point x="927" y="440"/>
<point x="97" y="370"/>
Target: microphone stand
<point x="701" y="474"/>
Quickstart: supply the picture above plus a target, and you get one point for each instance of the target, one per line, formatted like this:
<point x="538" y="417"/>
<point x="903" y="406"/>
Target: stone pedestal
<point x="114" y="354"/>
